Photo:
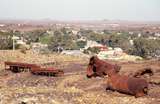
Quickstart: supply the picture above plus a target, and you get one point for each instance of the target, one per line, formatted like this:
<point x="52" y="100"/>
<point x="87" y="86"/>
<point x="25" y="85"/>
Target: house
<point x="2" y="25"/>
<point x="139" y="35"/>
<point x="157" y="34"/>
<point x="92" y="44"/>
<point x="50" y="32"/>
<point x="101" y="48"/>
<point x="38" y="47"/>
<point x="131" y="33"/>
<point x="74" y="53"/>
<point x="21" y="42"/>
<point x="131" y="42"/>
<point x="151" y="37"/>
<point x="82" y="38"/>
<point x="74" y="32"/>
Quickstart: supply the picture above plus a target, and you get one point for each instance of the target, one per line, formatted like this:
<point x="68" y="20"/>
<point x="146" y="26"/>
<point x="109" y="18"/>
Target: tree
<point x="92" y="50"/>
<point x="145" y="47"/>
<point x="95" y="36"/>
<point x="120" y="40"/>
<point x="6" y="40"/>
<point x="34" y="36"/>
<point x="60" y="39"/>
<point x="81" y="44"/>
<point x="46" y="39"/>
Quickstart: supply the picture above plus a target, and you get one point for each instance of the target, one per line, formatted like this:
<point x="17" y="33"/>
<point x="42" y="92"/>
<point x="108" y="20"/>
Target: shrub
<point x="94" y="50"/>
<point x="145" y="47"/>
<point x="6" y="40"/>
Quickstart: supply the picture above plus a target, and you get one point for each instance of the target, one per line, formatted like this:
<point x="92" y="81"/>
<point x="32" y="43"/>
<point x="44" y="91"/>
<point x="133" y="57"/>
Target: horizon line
<point x="70" y="20"/>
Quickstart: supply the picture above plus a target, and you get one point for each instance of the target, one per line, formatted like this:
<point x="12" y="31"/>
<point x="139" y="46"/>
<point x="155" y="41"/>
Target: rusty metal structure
<point x="116" y="82"/>
<point x="129" y="85"/>
<point x="33" y="68"/>
<point x="98" y="67"/>
<point x="19" y="67"/>
<point x="47" y="71"/>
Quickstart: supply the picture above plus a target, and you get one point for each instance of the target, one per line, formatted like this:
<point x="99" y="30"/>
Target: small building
<point x="93" y="44"/>
<point x="151" y="37"/>
<point x="38" y="47"/>
<point x="2" y="25"/>
<point x="131" y="42"/>
<point x="139" y="35"/>
<point x="102" y="48"/>
<point x="157" y="34"/>
<point x="74" y="32"/>
<point x="82" y="38"/>
<point x="21" y="42"/>
<point x="74" y="53"/>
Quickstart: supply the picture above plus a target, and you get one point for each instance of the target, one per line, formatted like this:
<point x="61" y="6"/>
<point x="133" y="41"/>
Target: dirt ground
<point x="73" y="87"/>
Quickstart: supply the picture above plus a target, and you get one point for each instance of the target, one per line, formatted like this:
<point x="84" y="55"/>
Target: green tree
<point x="63" y="40"/>
<point x="120" y="40"/>
<point x="95" y="36"/>
<point x="81" y="44"/>
<point x="92" y="50"/>
<point x="34" y="36"/>
<point x="145" y="47"/>
<point x="46" y="39"/>
<point x="6" y="40"/>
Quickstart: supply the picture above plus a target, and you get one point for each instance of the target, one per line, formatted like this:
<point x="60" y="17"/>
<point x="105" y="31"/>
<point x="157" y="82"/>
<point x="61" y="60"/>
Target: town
<point x="79" y="52"/>
<point x="56" y="57"/>
<point x="107" y="39"/>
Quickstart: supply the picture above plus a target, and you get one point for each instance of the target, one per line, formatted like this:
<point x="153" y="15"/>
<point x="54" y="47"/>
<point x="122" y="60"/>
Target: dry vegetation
<point x="73" y="87"/>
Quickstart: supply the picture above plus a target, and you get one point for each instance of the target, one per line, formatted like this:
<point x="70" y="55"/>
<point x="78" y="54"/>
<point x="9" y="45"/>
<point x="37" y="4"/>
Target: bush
<point x="59" y="39"/>
<point x="81" y="44"/>
<point x="145" y="47"/>
<point x="120" y="40"/>
<point x="34" y="36"/>
<point x="45" y="39"/>
<point x="6" y="40"/>
<point x="92" y="50"/>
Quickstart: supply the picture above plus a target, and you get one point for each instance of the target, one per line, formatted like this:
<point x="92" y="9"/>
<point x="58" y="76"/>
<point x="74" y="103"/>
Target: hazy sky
<point x="81" y="9"/>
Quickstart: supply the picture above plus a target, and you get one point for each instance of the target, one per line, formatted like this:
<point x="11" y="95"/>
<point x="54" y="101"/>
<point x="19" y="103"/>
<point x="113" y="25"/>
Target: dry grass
<point x="30" y="57"/>
<point x="68" y="89"/>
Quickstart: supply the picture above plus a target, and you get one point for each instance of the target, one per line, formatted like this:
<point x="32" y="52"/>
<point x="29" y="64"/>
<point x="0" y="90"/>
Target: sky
<point x="136" y="10"/>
